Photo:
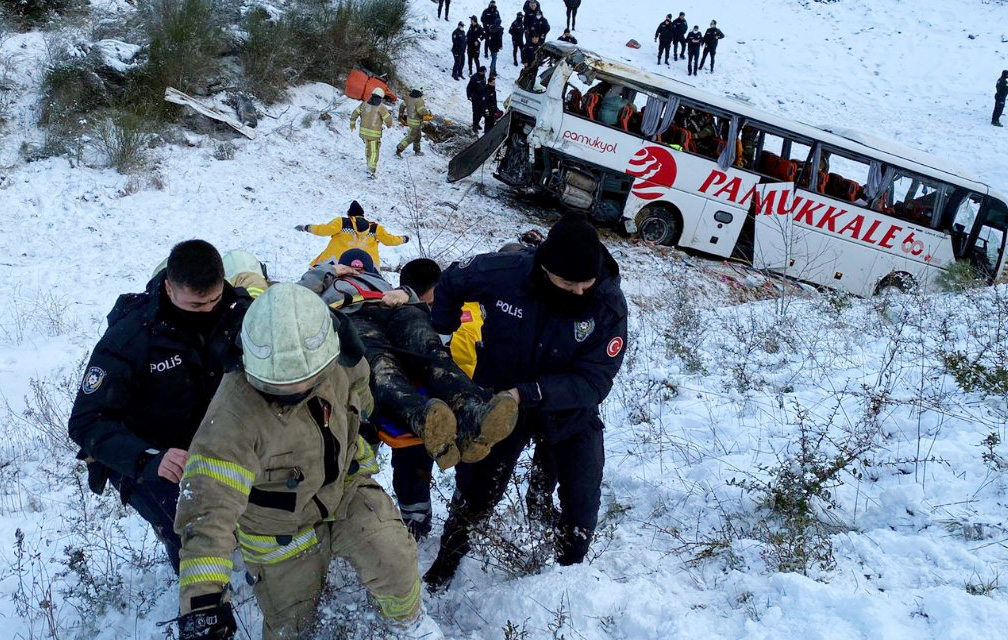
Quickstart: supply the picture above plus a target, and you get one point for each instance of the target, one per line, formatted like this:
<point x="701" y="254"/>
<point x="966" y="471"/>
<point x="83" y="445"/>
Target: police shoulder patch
<point x="583" y="329"/>
<point x="464" y="262"/>
<point x="92" y="380"/>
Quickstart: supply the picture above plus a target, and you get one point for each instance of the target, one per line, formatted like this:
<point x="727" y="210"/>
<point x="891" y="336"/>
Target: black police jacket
<point x="711" y="37"/>
<point x="664" y="32"/>
<point x="679" y="28"/>
<point x="458" y="41"/>
<point x="148" y="383"/>
<point x="517" y="30"/>
<point x="563" y="366"/>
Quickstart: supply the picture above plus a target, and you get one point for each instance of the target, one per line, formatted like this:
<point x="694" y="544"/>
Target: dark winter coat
<point x="495" y="37"/>
<point x="149" y="381"/>
<point x="458" y="41"/>
<point x="572" y="4"/>
<point x="476" y="92"/>
<point x="711" y="37"/>
<point x="490" y="100"/>
<point x="529" y="51"/>
<point x="693" y="40"/>
<point x="562" y="366"/>
<point x="537" y="26"/>
<point x="529" y="11"/>
<point x="473" y="37"/>
<point x="490" y="16"/>
<point x="517" y="30"/>
<point x="568" y="38"/>
<point x="664" y="32"/>
<point x="679" y="28"/>
<point x="1001" y="90"/>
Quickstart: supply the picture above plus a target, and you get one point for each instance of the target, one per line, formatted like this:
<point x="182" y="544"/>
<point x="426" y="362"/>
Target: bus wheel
<point x="898" y="282"/>
<point x="659" y="225"/>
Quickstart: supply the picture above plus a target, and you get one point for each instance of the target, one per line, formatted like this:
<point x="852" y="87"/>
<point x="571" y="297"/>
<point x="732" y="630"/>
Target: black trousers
<point x="459" y="67"/>
<point x="516" y="46"/>
<point x="571" y="18"/>
<point x="473" y="57"/>
<point x="678" y="41"/>
<point x="411" y="479"/>
<point x="156" y="501"/>
<point x="998" y="110"/>
<point x="401" y="346"/>
<point x="478" y="112"/>
<point x="703" y="58"/>
<point x="691" y="63"/>
<point x="576" y="463"/>
<point x="447" y="5"/>
<point x="663" y="46"/>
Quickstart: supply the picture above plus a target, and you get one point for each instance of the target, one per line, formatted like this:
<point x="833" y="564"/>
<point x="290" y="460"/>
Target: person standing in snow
<point x="572" y="7"/>
<point x="679" y="29"/>
<point x="150" y="380"/>
<point x="352" y="231"/>
<point x="476" y="93"/>
<point x="663" y="36"/>
<point x="490" y="103"/>
<point x="495" y="42"/>
<point x="412" y="111"/>
<point x="447" y="5"/>
<point x="539" y="26"/>
<point x="489" y="18"/>
<point x="710" y="42"/>
<point x="372" y="115"/>
<point x="567" y="37"/>
<point x="530" y="49"/>
<point x="693" y="41"/>
<point x="530" y="9"/>
<point x="554" y="337"/>
<point x="473" y="37"/>
<point x="458" y="51"/>
<point x="517" y="31"/>
<point x="1000" y="93"/>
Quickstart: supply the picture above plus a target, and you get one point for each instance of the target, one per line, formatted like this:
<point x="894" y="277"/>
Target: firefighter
<point x="693" y="41"/>
<point x="663" y="36"/>
<point x="567" y="37"/>
<point x="242" y="269"/>
<point x="279" y="465"/>
<point x="710" y="42"/>
<point x="554" y="337"/>
<point x="572" y="7"/>
<point x="517" y="31"/>
<point x="458" y="50"/>
<point x="490" y="17"/>
<point x="447" y="5"/>
<point x="476" y="93"/>
<point x="150" y="379"/>
<point x="349" y="232"/>
<point x="1000" y="93"/>
<point x="473" y="37"/>
<point x="679" y="29"/>
<point x="372" y="114"/>
<point x="412" y="111"/>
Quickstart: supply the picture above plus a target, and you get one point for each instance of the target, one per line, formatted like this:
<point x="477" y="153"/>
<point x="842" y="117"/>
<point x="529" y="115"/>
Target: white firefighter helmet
<point x="240" y="261"/>
<point x="288" y="340"/>
<point x="161" y="267"/>
<point x="378" y="91"/>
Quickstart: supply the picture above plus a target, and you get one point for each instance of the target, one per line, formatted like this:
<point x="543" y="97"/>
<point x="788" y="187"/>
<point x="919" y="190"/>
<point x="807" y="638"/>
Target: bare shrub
<point x="269" y="55"/>
<point x="28" y="14"/>
<point x="123" y="141"/>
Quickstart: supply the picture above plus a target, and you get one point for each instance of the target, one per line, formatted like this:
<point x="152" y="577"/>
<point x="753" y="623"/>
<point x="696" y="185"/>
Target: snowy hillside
<point x="806" y="466"/>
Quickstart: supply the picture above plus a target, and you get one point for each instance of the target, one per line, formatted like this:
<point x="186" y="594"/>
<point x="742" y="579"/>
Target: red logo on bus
<point x="655" y="168"/>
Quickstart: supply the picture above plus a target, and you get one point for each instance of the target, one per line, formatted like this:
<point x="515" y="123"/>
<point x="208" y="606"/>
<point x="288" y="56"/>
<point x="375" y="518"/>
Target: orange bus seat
<point x="590" y="105"/>
<point x="573" y="101"/>
<point x="623" y="117"/>
<point x="768" y="162"/>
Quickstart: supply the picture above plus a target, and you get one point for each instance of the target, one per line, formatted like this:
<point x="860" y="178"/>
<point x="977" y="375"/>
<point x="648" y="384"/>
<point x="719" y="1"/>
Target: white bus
<point x="679" y="166"/>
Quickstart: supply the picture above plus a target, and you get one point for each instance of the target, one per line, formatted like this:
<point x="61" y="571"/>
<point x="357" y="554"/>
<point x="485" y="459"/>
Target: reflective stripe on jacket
<point x="371" y="119"/>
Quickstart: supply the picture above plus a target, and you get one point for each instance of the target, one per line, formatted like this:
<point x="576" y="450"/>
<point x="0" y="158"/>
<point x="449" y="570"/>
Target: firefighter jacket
<point x="372" y="116"/>
<point x="267" y="474"/>
<point x="345" y="235"/>
<point x="562" y="365"/>
<point x="414" y="111"/>
<point x="150" y="379"/>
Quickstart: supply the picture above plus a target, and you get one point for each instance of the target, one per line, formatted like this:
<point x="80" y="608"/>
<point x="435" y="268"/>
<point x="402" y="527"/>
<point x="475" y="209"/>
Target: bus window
<point x="577" y="97"/>
<point x="769" y="148"/>
<point x="966" y="213"/>
<point x="612" y="104"/>
<point x="913" y="198"/>
<point x="991" y="239"/>
<point x="706" y="132"/>
<point x="842" y="176"/>
<point x="536" y="76"/>
<point x="800" y="156"/>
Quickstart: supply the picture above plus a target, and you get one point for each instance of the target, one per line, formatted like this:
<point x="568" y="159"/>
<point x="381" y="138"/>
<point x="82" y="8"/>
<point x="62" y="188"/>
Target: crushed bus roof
<point x="839" y="137"/>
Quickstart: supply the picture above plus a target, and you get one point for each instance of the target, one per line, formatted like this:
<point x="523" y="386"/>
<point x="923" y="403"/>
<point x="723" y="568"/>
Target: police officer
<point x="710" y="41"/>
<point x="278" y="465"/>
<point x="476" y="93"/>
<point x="567" y="37"/>
<point x="693" y="41"/>
<point x="554" y="337"/>
<point x="572" y="7"/>
<point x="1000" y="93"/>
<point x="372" y="115"/>
<point x="447" y="6"/>
<point x="517" y="31"/>
<point x="412" y="111"/>
<point x="489" y="18"/>
<point x="151" y="378"/>
<point x="473" y="37"/>
<point x="663" y="36"/>
<point x="679" y="29"/>
<point x="458" y="50"/>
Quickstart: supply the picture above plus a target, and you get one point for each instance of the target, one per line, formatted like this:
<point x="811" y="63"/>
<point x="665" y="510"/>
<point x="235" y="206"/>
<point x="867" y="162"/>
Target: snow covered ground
<point x="712" y="400"/>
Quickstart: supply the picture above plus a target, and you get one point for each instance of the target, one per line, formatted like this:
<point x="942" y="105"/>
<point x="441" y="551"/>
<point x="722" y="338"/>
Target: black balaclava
<point x="571" y="251"/>
<point x="202" y="322"/>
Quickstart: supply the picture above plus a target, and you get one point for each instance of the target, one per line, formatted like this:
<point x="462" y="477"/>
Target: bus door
<point x="979" y="230"/>
<point x="771" y="210"/>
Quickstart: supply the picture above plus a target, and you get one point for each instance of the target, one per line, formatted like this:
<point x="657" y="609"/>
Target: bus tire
<point x="899" y="282"/>
<point x="659" y="224"/>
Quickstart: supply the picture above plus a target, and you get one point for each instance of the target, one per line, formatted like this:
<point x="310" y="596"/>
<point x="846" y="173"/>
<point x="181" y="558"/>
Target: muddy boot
<point x="484" y="424"/>
<point x="437" y="428"/>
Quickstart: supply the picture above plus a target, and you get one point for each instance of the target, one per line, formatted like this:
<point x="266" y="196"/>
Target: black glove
<point x="405" y="239"/>
<point x="302" y="227"/>
<point x="216" y="623"/>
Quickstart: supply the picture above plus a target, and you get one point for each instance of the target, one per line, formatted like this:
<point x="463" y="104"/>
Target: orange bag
<point x="360" y="84"/>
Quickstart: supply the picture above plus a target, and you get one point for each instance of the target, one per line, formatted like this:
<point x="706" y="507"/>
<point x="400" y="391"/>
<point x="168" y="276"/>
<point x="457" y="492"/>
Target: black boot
<point x="454" y="547"/>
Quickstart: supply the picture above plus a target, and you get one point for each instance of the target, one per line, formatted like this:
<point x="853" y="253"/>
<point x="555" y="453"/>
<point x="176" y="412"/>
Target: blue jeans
<point x="493" y="63"/>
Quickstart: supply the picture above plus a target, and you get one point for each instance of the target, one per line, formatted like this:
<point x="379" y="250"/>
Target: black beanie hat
<point x="355" y="209"/>
<point x="572" y="250"/>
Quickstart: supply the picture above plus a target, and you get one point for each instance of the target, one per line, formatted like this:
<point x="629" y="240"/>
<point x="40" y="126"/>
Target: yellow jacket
<point x="345" y="236"/>
<point x="467" y="336"/>
<point x="371" y="119"/>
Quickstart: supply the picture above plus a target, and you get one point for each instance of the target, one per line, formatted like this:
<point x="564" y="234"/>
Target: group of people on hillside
<point x="374" y="116"/>
<point x="232" y="411"/>
<point x="685" y="43"/>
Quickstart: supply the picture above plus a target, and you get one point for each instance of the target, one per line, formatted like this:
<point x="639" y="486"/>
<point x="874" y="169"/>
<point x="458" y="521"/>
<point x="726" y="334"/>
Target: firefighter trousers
<point x="412" y="137"/>
<point x="371" y="147"/>
<point x="375" y="542"/>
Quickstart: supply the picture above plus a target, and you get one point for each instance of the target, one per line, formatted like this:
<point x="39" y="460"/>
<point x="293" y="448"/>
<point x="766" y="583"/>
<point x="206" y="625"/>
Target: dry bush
<point x="123" y="141"/>
<point x="29" y="14"/>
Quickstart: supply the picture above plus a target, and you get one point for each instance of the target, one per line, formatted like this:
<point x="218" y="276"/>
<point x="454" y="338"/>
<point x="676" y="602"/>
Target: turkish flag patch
<point x="614" y="347"/>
